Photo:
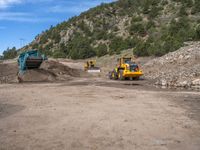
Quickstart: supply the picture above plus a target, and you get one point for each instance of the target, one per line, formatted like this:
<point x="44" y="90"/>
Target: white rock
<point x="183" y="84"/>
<point x="163" y="82"/>
<point x="196" y="82"/>
<point x="180" y="57"/>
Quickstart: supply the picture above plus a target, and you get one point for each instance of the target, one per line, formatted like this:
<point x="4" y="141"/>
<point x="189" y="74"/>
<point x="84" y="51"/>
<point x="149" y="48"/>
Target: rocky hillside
<point x="180" y="68"/>
<point x="150" y="27"/>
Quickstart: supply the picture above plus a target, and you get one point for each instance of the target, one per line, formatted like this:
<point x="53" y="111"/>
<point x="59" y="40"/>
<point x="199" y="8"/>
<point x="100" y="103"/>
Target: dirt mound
<point x="8" y="72"/>
<point x="180" y="68"/>
<point x="49" y="71"/>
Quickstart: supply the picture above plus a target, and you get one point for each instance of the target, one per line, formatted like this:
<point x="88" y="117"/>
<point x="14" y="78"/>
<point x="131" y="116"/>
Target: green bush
<point x="101" y="50"/>
<point x="59" y="54"/>
<point x="79" y="48"/>
<point x="118" y="44"/>
<point x="111" y="52"/>
<point x="171" y="44"/>
<point x="35" y="46"/>
<point x="136" y="19"/>
<point x="198" y="32"/>
<point x="137" y="28"/>
<point x="182" y="11"/>
<point x="154" y="12"/>
<point x="141" y="49"/>
<point x="150" y="25"/>
<point x="196" y="7"/>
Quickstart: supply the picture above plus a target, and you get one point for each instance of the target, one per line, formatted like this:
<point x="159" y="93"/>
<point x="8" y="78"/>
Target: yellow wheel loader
<point x="126" y="69"/>
<point x="90" y="66"/>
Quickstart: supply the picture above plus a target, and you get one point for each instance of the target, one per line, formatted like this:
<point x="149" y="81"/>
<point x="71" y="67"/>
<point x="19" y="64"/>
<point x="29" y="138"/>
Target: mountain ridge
<point x="149" y="27"/>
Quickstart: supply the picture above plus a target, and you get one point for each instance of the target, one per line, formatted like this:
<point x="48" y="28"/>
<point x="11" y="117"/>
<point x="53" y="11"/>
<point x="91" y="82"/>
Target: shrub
<point x="136" y="19"/>
<point x="198" y="32"/>
<point x="182" y="11"/>
<point x="137" y="28"/>
<point x="59" y="54"/>
<point x="79" y="48"/>
<point x="101" y="50"/>
<point x="154" y="12"/>
<point x="141" y="49"/>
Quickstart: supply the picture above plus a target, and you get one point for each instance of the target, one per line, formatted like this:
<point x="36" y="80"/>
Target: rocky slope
<point x="152" y="27"/>
<point x="180" y="68"/>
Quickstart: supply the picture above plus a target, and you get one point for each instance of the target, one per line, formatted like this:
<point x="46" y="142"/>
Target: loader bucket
<point x="94" y="70"/>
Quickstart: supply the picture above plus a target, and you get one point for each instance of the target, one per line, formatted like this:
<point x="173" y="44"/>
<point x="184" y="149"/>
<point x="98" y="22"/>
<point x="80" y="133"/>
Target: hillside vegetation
<point x="149" y="27"/>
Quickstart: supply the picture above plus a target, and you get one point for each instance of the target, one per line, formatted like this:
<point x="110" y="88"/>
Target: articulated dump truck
<point x="126" y="69"/>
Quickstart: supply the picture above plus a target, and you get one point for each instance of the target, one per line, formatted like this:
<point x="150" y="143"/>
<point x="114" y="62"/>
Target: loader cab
<point x="126" y="63"/>
<point x="124" y="60"/>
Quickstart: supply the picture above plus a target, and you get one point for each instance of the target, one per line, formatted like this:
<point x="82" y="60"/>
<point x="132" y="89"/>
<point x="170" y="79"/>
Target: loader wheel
<point x="110" y="75"/>
<point x="136" y="78"/>
<point x="120" y="75"/>
<point x="114" y="75"/>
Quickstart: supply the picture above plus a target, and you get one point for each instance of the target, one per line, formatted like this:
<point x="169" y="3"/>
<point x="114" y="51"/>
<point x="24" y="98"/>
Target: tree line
<point x="9" y="53"/>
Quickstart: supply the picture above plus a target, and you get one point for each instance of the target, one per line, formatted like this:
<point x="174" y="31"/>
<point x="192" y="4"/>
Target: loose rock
<point x="180" y="68"/>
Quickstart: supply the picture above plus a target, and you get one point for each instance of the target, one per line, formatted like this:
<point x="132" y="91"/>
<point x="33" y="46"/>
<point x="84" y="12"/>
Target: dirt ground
<point x="98" y="114"/>
<point x="94" y="113"/>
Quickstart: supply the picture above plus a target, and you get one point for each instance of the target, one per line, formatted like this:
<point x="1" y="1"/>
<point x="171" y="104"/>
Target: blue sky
<point x="22" y="20"/>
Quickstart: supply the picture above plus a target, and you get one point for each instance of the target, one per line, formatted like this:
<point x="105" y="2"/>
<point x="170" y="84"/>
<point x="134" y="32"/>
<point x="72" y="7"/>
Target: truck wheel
<point x="120" y="75"/>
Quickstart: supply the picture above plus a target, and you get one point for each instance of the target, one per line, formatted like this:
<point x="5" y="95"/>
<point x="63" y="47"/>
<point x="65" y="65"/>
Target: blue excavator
<point x="31" y="59"/>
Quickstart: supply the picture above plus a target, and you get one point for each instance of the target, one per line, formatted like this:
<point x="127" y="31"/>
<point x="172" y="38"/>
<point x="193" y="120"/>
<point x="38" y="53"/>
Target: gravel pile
<point x="179" y="69"/>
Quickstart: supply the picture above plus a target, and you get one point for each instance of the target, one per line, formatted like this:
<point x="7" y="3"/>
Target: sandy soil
<point x="98" y="114"/>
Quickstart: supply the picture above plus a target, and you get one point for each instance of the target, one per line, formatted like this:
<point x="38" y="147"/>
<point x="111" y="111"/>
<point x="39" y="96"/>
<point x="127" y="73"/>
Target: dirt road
<point x="97" y="114"/>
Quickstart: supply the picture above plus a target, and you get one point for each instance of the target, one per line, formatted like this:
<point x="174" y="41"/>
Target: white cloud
<point x="75" y="7"/>
<point x="67" y="9"/>
<point x="48" y="7"/>
<point x="22" y="17"/>
<point x="7" y="3"/>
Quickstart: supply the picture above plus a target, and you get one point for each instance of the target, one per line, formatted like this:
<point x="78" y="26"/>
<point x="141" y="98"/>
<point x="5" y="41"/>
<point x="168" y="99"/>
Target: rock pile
<point x="180" y="68"/>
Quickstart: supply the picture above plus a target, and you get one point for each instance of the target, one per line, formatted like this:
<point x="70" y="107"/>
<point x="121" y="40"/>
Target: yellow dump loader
<point x="90" y="66"/>
<point x="126" y="69"/>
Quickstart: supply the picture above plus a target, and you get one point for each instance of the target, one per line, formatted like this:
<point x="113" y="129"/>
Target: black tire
<point x="114" y="75"/>
<point x="127" y="78"/>
<point x="120" y="75"/>
<point x="110" y="75"/>
<point x="136" y="78"/>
